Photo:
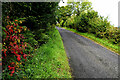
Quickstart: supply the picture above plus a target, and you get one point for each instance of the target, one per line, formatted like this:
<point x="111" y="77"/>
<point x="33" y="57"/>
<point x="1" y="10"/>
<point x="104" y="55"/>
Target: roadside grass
<point x="103" y="42"/>
<point x="50" y="60"/>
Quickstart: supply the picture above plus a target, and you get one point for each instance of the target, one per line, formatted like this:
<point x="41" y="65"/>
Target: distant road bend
<point x="88" y="59"/>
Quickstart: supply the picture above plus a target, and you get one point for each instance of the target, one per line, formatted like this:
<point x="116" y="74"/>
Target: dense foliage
<point x="25" y="26"/>
<point x="38" y="16"/>
<point x="85" y="19"/>
<point x="15" y="49"/>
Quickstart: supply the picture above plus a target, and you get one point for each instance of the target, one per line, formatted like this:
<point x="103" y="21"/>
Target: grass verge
<point x="103" y="42"/>
<point x="50" y="60"/>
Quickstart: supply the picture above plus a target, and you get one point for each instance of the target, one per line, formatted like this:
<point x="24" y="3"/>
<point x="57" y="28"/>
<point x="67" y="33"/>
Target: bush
<point x="15" y="50"/>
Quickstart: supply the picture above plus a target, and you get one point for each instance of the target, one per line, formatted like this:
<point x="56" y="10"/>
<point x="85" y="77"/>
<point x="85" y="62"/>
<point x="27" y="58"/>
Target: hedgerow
<point x="24" y="29"/>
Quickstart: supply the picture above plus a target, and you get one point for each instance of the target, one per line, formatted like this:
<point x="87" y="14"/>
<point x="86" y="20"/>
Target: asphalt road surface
<point x="88" y="59"/>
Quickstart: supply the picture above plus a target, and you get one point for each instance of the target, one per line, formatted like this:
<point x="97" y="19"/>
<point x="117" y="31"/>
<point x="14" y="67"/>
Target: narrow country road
<point x="88" y="59"/>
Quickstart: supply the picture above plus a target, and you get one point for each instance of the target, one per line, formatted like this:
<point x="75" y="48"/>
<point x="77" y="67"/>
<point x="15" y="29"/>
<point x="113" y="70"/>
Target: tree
<point x="63" y="13"/>
<point x="78" y="7"/>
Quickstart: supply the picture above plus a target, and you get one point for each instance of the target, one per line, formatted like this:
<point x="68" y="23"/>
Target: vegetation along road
<point x="88" y="59"/>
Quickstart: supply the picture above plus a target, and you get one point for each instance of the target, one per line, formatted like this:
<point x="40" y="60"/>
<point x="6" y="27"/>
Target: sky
<point x="104" y="8"/>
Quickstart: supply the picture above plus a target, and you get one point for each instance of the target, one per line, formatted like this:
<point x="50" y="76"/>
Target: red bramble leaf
<point x="12" y="72"/>
<point x="24" y="56"/>
<point x="18" y="57"/>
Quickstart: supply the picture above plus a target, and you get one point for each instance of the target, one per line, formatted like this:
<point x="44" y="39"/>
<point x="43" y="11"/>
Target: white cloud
<point x="107" y="8"/>
<point x="63" y="3"/>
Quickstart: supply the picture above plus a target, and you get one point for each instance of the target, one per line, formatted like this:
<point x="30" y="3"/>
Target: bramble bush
<point x="15" y="49"/>
<point x="21" y="39"/>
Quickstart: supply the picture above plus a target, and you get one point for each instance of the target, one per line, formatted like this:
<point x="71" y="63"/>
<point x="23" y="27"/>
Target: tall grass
<point x="50" y="60"/>
<point x="102" y="41"/>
